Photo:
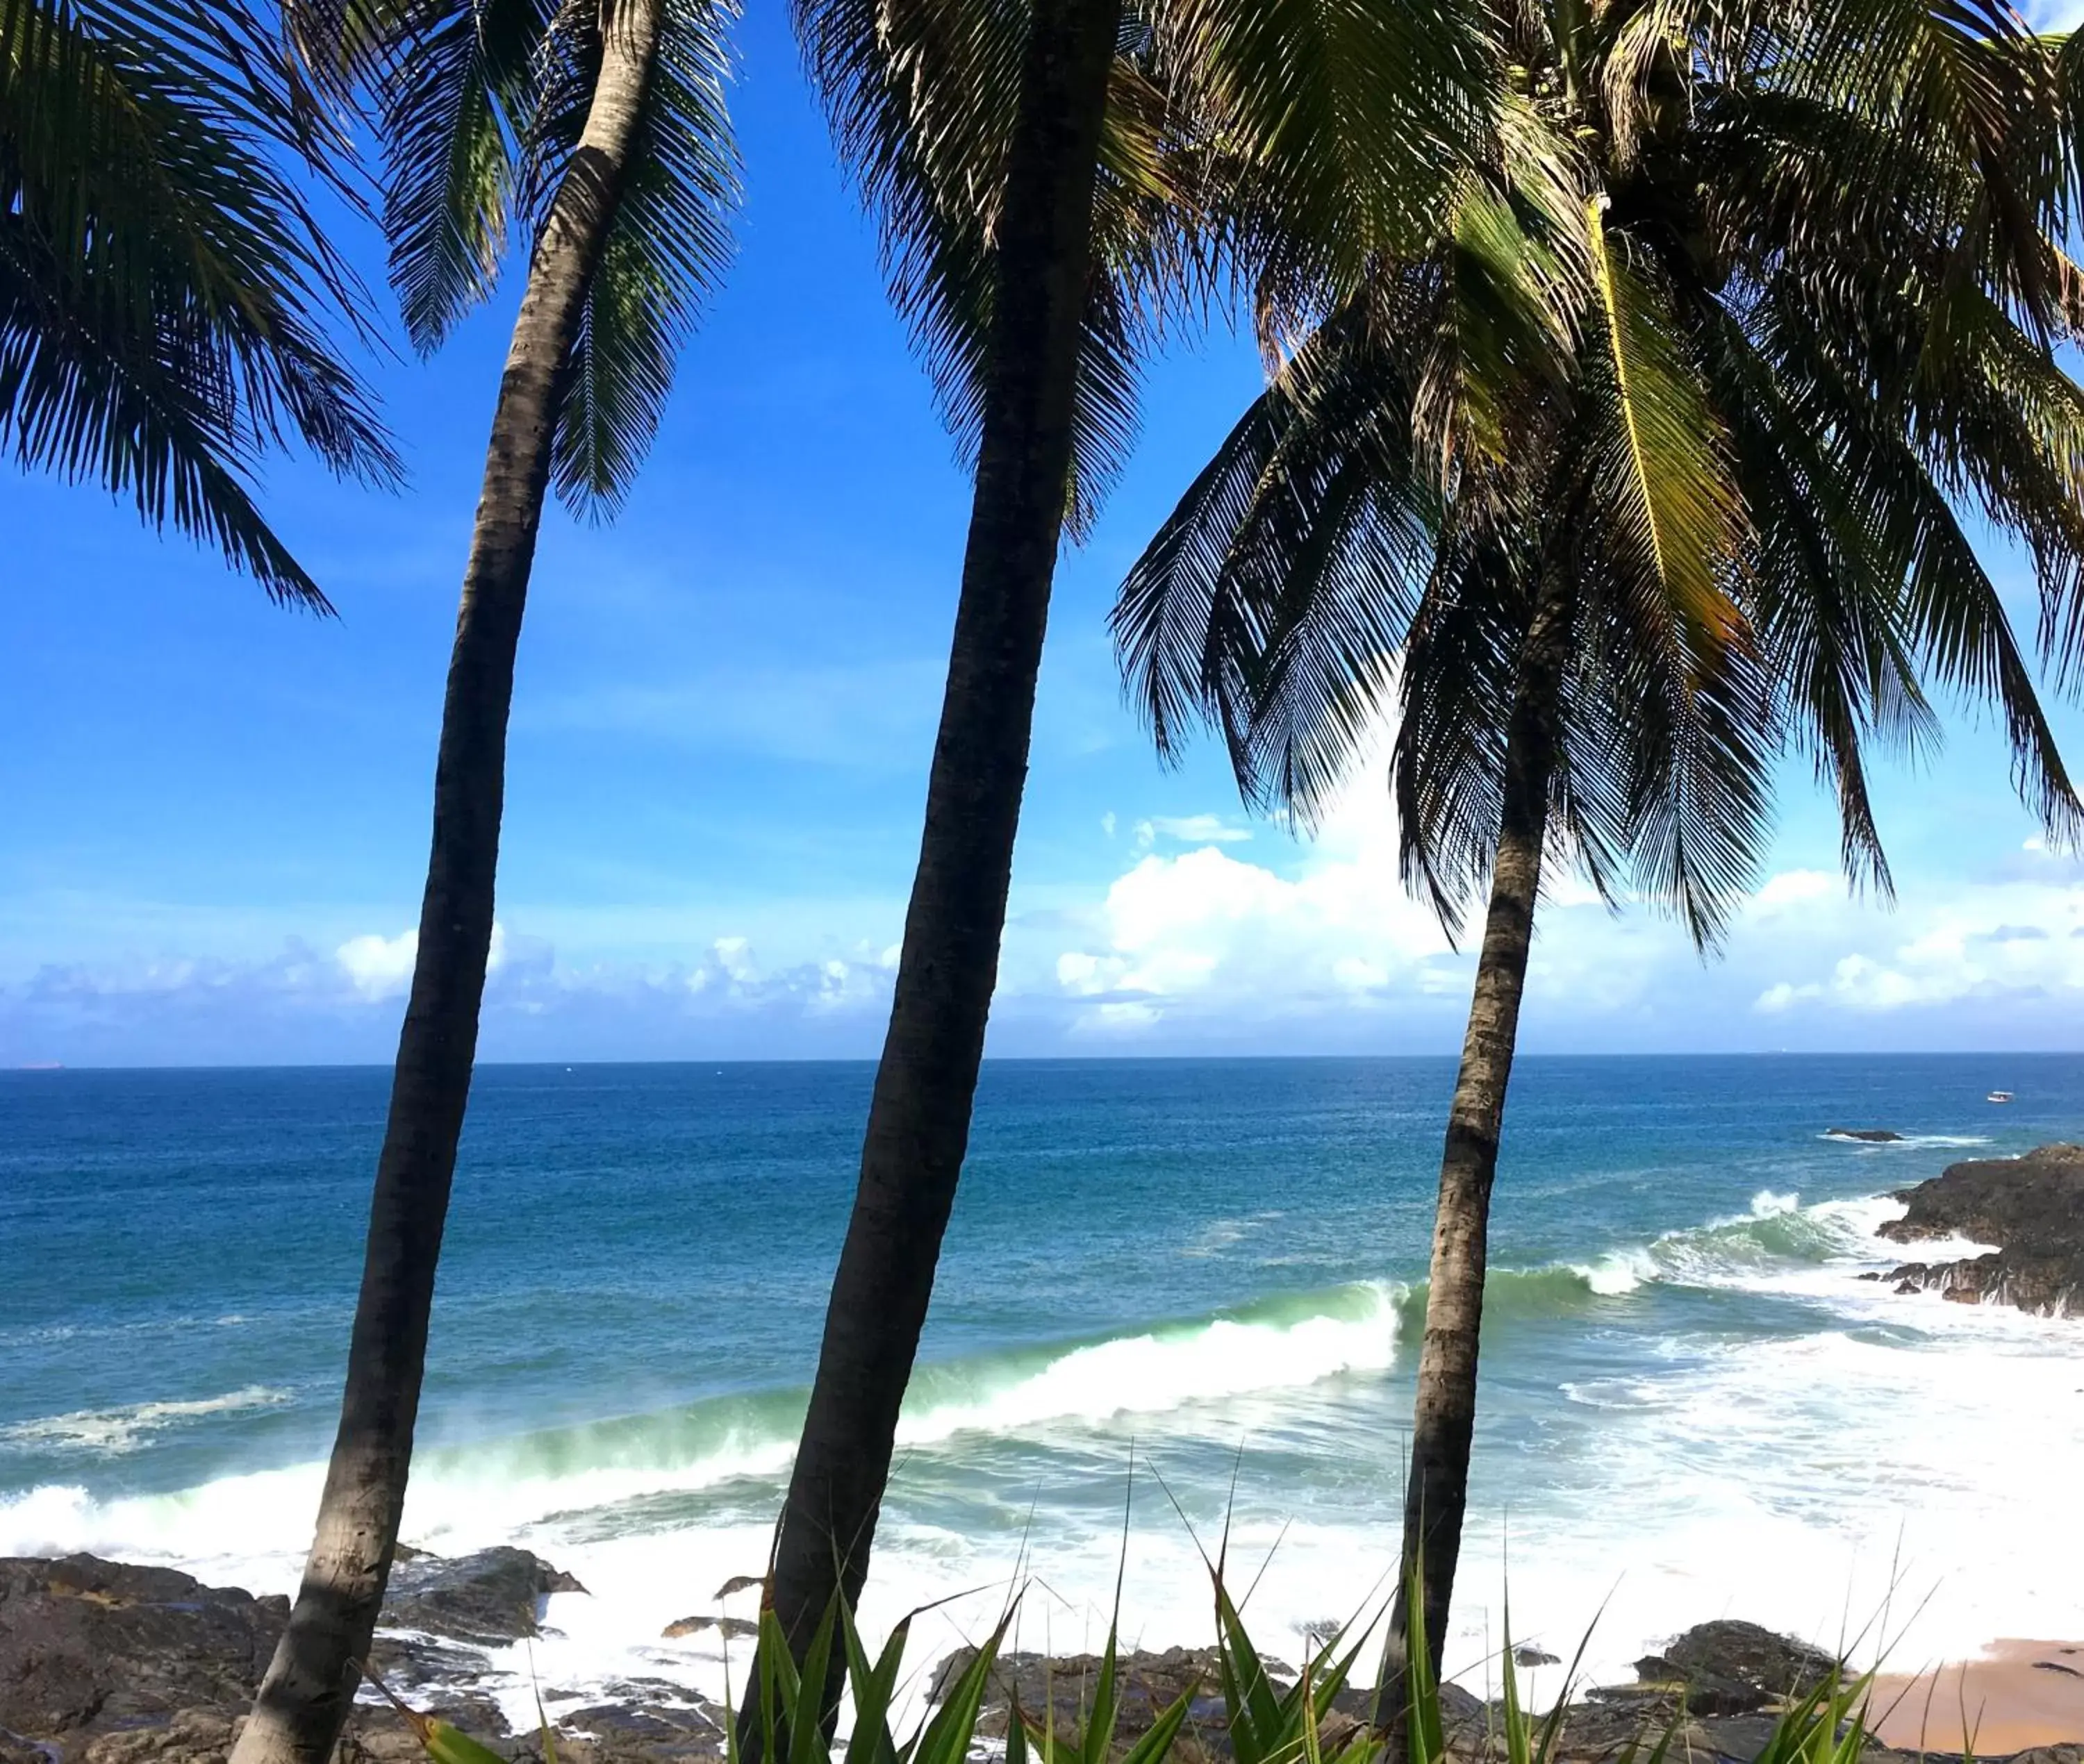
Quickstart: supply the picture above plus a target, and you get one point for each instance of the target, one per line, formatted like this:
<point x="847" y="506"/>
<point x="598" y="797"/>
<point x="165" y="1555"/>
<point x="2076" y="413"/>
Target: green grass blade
<point x="1254" y="1689"/>
<point x="1100" y="1723"/>
<point x="807" y="1744"/>
<point x="874" y="1687"/>
<point x="1424" y="1733"/>
<point x="1518" y="1745"/>
<point x="1156" y="1745"/>
<point x="946" y="1737"/>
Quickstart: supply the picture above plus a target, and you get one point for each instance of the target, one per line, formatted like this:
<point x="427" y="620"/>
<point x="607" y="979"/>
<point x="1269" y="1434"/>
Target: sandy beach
<point x="2021" y="1694"/>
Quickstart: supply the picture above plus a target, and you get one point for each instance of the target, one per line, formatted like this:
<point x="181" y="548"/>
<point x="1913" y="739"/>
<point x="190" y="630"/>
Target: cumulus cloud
<point x="380" y="967"/>
<point x="1993" y="942"/>
<point x="300" y="1004"/>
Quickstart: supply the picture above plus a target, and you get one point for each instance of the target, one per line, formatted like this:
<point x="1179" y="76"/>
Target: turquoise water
<point x="1692" y="1405"/>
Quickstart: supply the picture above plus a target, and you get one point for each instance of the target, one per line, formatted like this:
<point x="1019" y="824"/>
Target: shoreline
<point x="2018" y="1695"/>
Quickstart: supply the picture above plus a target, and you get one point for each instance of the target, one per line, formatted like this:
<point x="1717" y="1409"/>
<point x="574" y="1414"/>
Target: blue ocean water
<point x="1692" y="1405"/>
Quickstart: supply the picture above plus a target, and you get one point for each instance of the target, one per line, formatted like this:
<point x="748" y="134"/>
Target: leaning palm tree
<point x="1041" y="169"/>
<point x="599" y="130"/>
<point x="1645" y="469"/>
<point x="166" y="293"/>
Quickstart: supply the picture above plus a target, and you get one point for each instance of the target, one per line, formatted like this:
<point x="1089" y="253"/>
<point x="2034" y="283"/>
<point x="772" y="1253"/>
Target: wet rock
<point x="1869" y="1135"/>
<point x="1729" y="1666"/>
<point x="2030" y="1208"/>
<point x="488" y="1599"/>
<point x="661" y="1726"/>
<point x="87" y="1645"/>
<point x="731" y="1629"/>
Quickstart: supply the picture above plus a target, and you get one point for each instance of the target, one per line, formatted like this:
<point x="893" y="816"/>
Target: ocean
<point x="1175" y="1297"/>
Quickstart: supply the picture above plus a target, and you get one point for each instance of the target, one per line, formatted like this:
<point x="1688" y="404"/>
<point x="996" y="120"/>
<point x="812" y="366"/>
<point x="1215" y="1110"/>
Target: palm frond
<point x="1661" y="457"/>
<point x="459" y="96"/>
<point x="667" y="248"/>
<point x="165" y="292"/>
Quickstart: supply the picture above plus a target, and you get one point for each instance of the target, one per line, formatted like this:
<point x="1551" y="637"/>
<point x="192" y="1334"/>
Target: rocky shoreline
<point x="2030" y="1209"/>
<point x="105" y="1663"/>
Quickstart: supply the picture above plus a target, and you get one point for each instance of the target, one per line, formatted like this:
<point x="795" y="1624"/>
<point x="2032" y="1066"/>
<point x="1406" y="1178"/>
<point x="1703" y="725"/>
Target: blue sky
<point x="218" y="811"/>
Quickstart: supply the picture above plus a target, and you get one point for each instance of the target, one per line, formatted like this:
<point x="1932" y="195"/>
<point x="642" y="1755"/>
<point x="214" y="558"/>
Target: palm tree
<point x="601" y="128"/>
<point x="167" y="288"/>
<point x="1645" y="469"/>
<point x="1040" y="168"/>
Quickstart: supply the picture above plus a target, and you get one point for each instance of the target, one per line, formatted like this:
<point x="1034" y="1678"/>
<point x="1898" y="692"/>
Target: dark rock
<point x="1870" y="1136"/>
<point x="731" y="1629"/>
<point x="1146" y="1683"/>
<point x="1533" y="1657"/>
<point x="490" y="1598"/>
<point x="644" y="1721"/>
<point x="87" y="1645"/>
<point x="1724" y="1669"/>
<point x="1729" y="1667"/>
<point x="2030" y="1208"/>
<point x="191" y="1737"/>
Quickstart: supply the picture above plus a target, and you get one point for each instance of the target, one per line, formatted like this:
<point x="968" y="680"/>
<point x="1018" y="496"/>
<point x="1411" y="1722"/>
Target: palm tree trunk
<point x="919" y="1117"/>
<point x="310" y="1683"/>
<point x="1436" y="1489"/>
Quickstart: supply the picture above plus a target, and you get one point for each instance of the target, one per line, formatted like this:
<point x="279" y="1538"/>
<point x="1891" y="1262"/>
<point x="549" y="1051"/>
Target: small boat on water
<point x="1998" y="1096"/>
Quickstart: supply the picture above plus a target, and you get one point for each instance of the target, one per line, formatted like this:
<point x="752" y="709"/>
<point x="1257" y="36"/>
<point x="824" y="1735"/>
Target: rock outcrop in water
<point x="2030" y="1209"/>
<point x="1867" y="1136"/>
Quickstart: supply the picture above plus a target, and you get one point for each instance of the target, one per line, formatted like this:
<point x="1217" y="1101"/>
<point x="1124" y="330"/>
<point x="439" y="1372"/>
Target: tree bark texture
<point x="919" y="1116"/>
<point x="310" y="1682"/>
<point x="1436" y="1489"/>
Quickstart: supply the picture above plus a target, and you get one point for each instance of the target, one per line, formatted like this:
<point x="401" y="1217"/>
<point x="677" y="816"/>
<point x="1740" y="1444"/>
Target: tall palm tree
<point x="1645" y="468"/>
<point x="1040" y="170"/>
<point x="600" y="128"/>
<point x="165" y="294"/>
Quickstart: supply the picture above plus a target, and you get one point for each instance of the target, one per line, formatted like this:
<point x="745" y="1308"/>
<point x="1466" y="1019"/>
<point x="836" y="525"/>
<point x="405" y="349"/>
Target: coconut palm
<point x="1040" y="169"/>
<point x="168" y="293"/>
<point x="1645" y="469"/>
<point x="597" y="130"/>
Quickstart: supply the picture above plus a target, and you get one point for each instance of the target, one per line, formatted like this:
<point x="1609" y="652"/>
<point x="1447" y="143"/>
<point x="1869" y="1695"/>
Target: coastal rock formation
<point x="488" y="1600"/>
<point x="1145" y="1685"/>
<point x="88" y="1646"/>
<point x="1868" y="1135"/>
<point x="2030" y="1208"/>
<point x="1729" y="1667"/>
<point x="104" y="1663"/>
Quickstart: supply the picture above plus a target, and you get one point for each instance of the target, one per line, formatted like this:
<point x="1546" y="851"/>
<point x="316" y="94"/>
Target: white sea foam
<point x="113" y="1433"/>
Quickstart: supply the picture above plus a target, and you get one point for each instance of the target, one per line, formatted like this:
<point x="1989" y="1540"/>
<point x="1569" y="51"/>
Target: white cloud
<point x="1791" y="886"/>
<point x="1190" y="830"/>
<point x="1107" y="823"/>
<point x="1992" y="941"/>
<point x="382" y="967"/>
<point x="378" y="966"/>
